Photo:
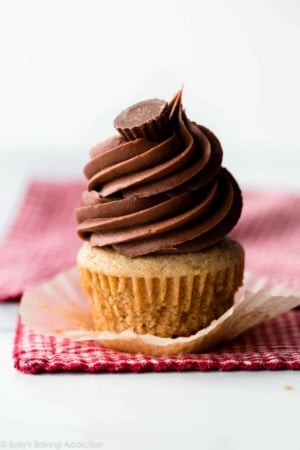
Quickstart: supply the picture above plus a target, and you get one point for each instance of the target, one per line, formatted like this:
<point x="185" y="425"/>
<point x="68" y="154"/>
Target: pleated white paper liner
<point x="59" y="308"/>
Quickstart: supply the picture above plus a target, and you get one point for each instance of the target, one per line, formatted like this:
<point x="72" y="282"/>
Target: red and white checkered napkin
<point x="43" y="242"/>
<point x="269" y="230"/>
<point x="272" y="345"/>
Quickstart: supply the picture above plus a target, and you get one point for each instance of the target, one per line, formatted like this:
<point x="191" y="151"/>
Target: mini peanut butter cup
<point x="147" y="119"/>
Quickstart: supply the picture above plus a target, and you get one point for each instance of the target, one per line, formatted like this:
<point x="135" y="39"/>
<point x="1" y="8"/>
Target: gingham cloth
<point x="272" y="345"/>
<point x="43" y="242"/>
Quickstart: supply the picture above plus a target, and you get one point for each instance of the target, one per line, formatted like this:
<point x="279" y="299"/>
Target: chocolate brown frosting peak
<point x="159" y="186"/>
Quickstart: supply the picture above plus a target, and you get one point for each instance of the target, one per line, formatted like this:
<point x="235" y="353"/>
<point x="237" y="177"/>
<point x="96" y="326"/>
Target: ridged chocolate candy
<point x="147" y="119"/>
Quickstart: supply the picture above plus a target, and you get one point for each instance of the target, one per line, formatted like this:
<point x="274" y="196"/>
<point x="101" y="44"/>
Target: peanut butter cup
<point x="147" y="119"/>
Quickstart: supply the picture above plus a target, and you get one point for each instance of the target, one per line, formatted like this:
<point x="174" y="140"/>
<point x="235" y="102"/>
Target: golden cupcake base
<point x="164" y="295"/>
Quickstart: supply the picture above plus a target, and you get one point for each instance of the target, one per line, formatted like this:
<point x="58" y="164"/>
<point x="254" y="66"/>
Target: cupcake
<point x="157" y="258"/>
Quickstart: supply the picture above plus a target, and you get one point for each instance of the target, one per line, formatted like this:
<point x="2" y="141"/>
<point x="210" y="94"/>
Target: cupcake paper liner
<point x="59" y="308"/>
<point x="118" y="303"/>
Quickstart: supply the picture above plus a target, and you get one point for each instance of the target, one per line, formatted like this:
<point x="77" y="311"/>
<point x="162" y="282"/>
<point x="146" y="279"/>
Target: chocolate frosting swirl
<point x="162" y="193"/>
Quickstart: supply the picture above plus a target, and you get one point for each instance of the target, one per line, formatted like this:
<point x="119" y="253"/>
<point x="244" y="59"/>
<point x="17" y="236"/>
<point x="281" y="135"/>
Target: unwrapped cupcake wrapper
<point x="59" y="308"/>
<point x="120" y="303"/>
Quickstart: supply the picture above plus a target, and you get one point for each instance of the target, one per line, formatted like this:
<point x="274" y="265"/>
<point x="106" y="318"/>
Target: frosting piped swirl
<point x="155" y="194"/>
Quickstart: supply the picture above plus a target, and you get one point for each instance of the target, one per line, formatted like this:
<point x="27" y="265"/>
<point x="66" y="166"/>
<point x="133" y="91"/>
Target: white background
<point x="66" y="69"/>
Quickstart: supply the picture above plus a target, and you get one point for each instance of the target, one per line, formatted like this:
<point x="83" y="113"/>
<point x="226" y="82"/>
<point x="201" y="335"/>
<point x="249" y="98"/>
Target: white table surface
<point x="67" y="68"/>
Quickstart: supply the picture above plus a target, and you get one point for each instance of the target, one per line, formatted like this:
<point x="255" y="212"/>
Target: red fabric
<point x="43" y="239"/>
<point x="43" y="242"/>
<point x="272" y="345"/>
<point x="269" y="230"/>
